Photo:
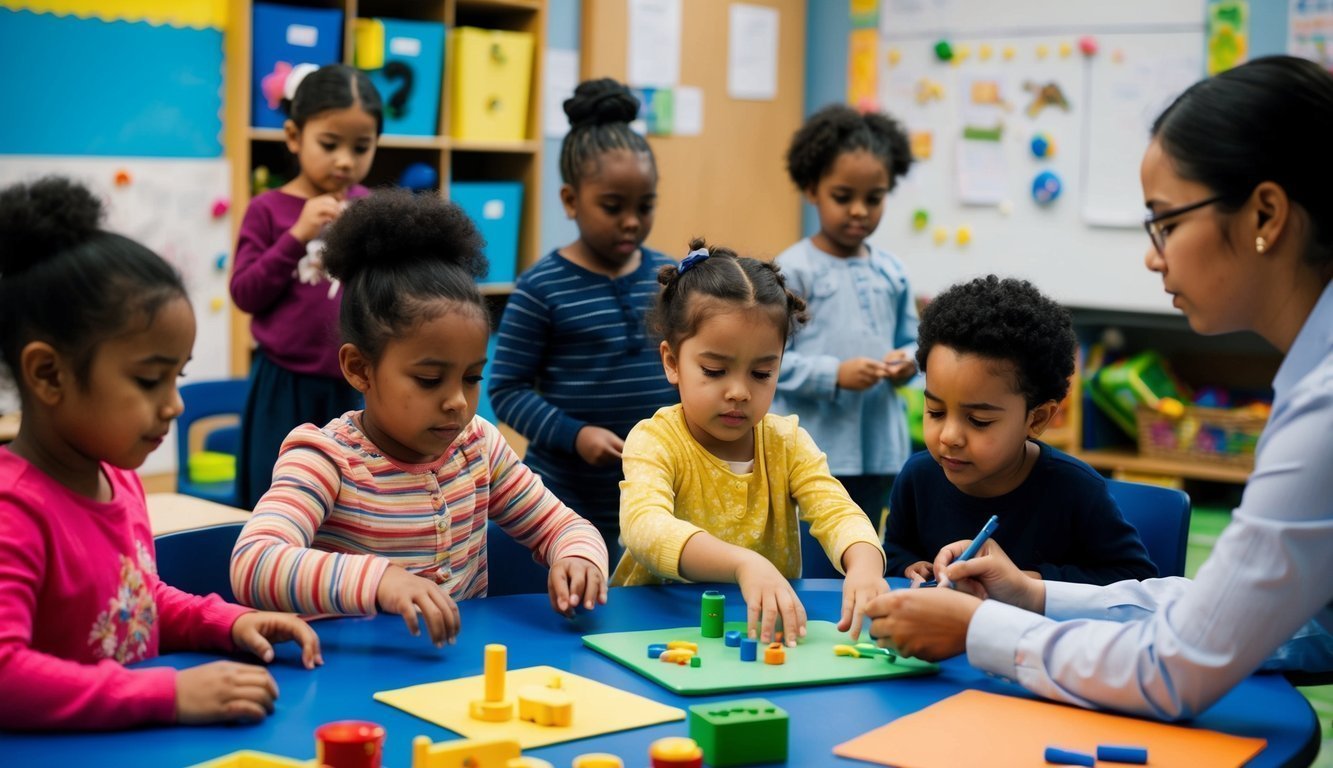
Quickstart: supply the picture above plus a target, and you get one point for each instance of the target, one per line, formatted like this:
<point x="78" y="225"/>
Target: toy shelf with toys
<point x="459" y="80"/>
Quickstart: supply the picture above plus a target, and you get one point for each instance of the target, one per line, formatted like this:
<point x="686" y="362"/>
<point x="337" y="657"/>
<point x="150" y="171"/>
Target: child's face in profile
<point x="976" y="424"/>
<point x="850" y="202"/>
<point x="727" y="373"/>
<point x="423" y="391"/>
<point x="613" y="206"/>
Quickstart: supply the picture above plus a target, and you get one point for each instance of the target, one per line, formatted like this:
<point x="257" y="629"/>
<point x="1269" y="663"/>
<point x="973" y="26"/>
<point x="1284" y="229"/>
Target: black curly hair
<point x="335" y="86"/>
<point x="838" y="128"/>
<point x="65" y="280"/>
<point x="1005" y="320"/>
<point x="398" y="254"/>
<point x="729" y="278"/>
<point x="599" y="112"/>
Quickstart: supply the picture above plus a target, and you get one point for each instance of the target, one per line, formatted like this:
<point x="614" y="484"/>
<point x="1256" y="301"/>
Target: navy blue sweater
<point x="1061" y="521"/>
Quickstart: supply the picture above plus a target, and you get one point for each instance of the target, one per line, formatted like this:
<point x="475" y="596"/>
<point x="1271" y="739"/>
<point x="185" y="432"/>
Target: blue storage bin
<point x="495" y="207"/>
<point x="484" y="408"/>
<point x="405" y="61"/>
<point x="290" y="35"/>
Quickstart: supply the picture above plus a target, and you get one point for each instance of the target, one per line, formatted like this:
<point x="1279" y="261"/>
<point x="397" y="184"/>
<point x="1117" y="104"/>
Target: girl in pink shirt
<point x="95" y="330"/>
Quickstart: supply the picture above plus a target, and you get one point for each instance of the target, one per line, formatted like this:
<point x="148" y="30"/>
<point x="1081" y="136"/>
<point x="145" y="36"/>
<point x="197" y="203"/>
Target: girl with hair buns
<point x="575" y="368"/>
<point x="96" y="329"/>
<point x="385" y="509"/>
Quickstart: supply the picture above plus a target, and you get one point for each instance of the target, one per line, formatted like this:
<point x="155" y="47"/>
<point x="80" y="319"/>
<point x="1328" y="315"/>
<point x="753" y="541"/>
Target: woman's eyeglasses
<point x="1153" y="221"/>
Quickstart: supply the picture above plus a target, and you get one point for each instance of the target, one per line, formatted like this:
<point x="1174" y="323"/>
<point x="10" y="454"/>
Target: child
<point x="712" y="485"/>
<point x="336" y="119"/>
<point x="997" y="356"/>
<point x="574" y="370"/>
<point x="386" y="508"/>
<point x="839" y="374"/>
<point x="95" y="329"/>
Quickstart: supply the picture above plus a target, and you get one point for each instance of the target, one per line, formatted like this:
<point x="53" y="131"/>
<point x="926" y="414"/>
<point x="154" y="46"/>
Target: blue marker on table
<point x="974" y="547"/>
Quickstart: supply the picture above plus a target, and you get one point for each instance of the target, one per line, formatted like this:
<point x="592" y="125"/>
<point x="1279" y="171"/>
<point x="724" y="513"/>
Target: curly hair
<point x="398" y="254"/>
<point x="599" y="112"/>
<point x="738" y="281"/>
<point x="1005" y="320"/>
<point x="838" y="128"/>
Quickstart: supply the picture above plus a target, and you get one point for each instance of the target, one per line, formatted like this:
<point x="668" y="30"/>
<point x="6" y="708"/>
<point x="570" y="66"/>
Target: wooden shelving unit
<point x="1129" y="461"/>
<point x="462" y="160"/>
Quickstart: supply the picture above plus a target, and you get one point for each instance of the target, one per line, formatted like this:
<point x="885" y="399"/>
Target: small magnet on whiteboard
<point x="1065" y="50"/>
<point x="1008" y="53"/>
<point x="1118" y="56"/>
<point x="895" y="56"/>
<point x="928" y="90"/>
<point x="943" y="50"/>
<point x="1088" y="45"/>
<point x="220" y="207"/>
<point x="920" y="219"/>
<point x="1042" y="50"/>
<point x="985" y="51"/>
<point x="1046" y="188"/>
<point x="123" y="178"/>
<point x="964" y="235"/>
<point x="1005" y="207"/>
<point x="1043" y="146"/>
<point x="923" y="145"/>
<point x="941" y="235"/>
<point x="220" y="262"/>
<point x="961" y="53"/>
<point x="216" y="304"/>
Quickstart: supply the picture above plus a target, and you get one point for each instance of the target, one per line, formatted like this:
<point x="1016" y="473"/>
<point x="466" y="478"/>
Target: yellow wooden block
<point x="464" y="753"/>
<point x="545" y="705"/>
<point x="248" y="758"/>
<point x="490" y="83"/>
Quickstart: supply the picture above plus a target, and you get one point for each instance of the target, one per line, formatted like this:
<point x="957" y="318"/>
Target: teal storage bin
<point x="405" y="61"/>
<point x="283" y="37"/>
<point x="484" y="408"/>
<point x="496" y="208"/>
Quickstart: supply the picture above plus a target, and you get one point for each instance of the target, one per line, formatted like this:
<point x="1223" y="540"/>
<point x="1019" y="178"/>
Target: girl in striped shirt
<point x="385" y="509"/>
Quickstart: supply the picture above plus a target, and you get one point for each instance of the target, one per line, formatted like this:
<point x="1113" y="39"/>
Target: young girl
<point x="712" y="485"/>
<point x="574" y="370"/>
<point x="279" y="278"/>
<point x="839" y="374"/>
<point x="95" y="329"/>
<point x="386" y="508"/>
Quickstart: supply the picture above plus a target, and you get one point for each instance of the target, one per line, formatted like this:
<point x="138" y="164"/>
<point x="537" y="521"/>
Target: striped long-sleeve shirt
<point x="572" y="350"/>
<point x="340" y="513"/>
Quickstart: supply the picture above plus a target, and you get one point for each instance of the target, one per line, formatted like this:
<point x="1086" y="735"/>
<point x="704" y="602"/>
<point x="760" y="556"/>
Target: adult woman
<point x="1241" y="224"/>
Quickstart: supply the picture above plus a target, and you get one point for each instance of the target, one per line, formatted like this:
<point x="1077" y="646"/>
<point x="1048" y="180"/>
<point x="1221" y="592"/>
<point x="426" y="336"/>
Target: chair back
<point x="198" y="561"/>
<point x="206" y="399"/>
<point x="1162" y="518"/>
<point x="512" y="571"/>
<point x="814" y="563"/>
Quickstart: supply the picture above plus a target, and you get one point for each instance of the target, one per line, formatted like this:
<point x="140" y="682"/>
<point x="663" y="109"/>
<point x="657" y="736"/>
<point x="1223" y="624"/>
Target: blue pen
<point x="974" y="547"/>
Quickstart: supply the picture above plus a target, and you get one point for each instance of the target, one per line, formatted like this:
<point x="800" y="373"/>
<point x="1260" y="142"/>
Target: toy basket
<point x="1216" y="435"/>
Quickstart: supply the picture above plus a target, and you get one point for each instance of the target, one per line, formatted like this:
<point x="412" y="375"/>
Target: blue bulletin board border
<point x="122" y="89"/>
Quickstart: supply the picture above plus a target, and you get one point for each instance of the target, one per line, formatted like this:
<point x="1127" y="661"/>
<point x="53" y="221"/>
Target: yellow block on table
<point x="491" y="80"/>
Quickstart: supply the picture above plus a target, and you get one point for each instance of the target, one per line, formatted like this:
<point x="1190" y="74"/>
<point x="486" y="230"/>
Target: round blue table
<point x="365" y="655"/>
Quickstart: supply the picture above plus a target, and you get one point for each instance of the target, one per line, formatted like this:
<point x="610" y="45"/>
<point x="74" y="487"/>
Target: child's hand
<point x="919" y="571"/>
<point x="224" y="690"/>
<point x="861" y="373"/>
<point x="256" y="631"/>
<point x="317" y="212"/>
<point x="598" y="446"/>
<point x="899" y="367"/>
<point x="864" y="581"/>
<point x="769" y="598"/>
<point x="572" y="579"/>
<point x="407" y="595"/>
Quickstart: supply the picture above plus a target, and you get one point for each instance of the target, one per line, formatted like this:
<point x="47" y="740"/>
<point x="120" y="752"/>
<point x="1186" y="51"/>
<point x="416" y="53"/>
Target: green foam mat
<point x="811" y="662"/>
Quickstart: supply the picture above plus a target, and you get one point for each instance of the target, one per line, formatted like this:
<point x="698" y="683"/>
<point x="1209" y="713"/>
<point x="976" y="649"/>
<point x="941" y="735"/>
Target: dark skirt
<point x="281" y="400"/>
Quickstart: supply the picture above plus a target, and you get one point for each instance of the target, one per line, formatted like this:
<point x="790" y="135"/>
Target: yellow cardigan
<point x="674" y="488"/>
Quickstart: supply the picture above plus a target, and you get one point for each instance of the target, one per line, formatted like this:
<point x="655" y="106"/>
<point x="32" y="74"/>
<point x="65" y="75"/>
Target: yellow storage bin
<point x="490" y="82"/>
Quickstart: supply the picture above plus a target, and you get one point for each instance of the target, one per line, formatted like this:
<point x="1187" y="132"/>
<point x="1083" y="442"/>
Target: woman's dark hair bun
<point x="44" y="218"/>
<point x="596" y="102"/>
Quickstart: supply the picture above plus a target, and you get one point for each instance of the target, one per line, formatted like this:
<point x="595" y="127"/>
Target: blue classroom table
<point x="364" y="655"/>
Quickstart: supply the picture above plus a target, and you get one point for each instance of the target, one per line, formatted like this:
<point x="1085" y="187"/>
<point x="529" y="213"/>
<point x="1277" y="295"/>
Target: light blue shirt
<point x="860" y="306"/>
<point x="1169" y="648"/>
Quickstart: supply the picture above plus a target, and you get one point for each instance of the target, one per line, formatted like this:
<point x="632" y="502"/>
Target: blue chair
<point x="209" y="399"/>
<point x="198" y="561"/>
<point x="1162" y="518"/>
<point x="512" y="571"/>
<point x="814" y="563"/>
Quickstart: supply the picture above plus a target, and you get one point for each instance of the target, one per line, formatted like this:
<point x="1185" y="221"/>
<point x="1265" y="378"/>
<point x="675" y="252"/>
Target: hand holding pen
<point x="968" y="554"/>
<point x="990" y="574"/>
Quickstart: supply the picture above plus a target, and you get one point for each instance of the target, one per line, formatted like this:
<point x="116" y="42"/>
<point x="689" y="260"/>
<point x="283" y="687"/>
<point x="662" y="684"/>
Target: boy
<point x="997" y="356"/>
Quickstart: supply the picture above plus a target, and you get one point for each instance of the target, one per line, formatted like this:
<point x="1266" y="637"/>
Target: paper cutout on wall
<point x="1228" y="34"/>
<point x="1310" y="30"/>
<point x="862" y="67"/>
<point x="199" y="14"/>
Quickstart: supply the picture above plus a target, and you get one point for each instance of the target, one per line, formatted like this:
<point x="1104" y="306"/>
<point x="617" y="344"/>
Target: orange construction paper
<point x="979" y="728"/>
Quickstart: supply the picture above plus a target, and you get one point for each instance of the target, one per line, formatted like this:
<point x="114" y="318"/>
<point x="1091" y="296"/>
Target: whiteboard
<point x="1086" y="248"/>
<point x="167" y="206"/>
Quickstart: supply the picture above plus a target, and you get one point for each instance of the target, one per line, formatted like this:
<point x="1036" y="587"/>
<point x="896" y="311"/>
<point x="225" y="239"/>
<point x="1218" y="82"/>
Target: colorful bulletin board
<point x="1029" y="120"/>
<point x="812" y="662"/>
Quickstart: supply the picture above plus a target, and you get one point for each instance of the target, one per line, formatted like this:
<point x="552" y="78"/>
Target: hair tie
<point x="294" y="78"/>
<point x="692" y="258"/>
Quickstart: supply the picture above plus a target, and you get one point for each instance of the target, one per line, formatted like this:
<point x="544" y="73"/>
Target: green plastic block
<point x="740" y="732"/>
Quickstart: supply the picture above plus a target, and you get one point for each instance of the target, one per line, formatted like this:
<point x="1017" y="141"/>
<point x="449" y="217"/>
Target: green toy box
<point x="740" y="732"/>
<point x="1120" y="388"/>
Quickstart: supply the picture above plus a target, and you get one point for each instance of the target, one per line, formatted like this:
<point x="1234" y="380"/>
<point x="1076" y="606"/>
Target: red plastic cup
<point x="349" y="744"/>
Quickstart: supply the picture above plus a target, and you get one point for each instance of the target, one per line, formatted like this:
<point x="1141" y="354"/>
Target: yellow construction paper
<point x="598" y="708"/>
<point x="176" y="13"/>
